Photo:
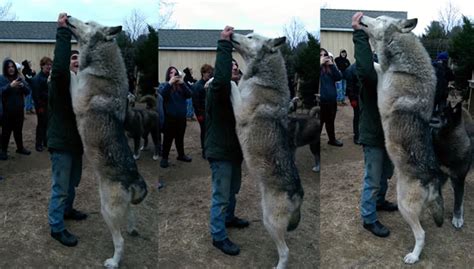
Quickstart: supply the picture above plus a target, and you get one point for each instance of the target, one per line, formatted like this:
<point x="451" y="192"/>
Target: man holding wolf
<point x="377" y="165"/>
<point x="64" y="142"/>
<point x="222" y="147"/>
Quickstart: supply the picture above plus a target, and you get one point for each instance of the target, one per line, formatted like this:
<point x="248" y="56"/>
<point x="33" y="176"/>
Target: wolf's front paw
<point x="411" y="258"/>
<point x="111" y="263"/>
<point x="155" y="157"/>
<point x="458" y="222"/>
<point x="136" y="157"/>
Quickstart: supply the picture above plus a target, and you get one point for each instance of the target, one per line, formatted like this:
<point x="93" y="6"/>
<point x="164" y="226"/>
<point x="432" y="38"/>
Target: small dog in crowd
<point x="304" y="130"/>
<point x="140" y="123"/>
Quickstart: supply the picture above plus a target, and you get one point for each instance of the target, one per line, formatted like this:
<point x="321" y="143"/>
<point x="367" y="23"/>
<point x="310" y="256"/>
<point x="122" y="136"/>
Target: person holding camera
<point x="14" y="89"/>
<point x="328" y="77"/>
<point x="174" y="92"/>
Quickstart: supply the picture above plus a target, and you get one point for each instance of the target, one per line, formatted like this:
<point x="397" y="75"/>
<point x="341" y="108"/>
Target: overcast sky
<point x="425" y="10"/>
<point x="106" y="12"/>
<point x="264" y="17"/>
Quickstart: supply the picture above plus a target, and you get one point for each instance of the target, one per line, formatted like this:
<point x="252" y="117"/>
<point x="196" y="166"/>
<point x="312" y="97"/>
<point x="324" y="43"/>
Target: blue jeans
<point x="66" y="174"/>
<point x="226" y="179"/>
<point x="377" y="169"/>
<point x="28" y="102"/>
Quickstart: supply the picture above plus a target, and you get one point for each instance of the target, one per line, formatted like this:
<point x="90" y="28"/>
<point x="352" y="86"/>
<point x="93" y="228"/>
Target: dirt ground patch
<point x="345" y="244"/>
<point x="24" y="230"/>
<point x="184" y="239"/>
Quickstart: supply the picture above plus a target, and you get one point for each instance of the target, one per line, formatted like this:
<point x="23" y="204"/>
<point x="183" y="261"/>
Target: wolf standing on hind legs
<point x="100" y="102"/>
<point x="406" y="89"/>
<point x="260" y="106"/>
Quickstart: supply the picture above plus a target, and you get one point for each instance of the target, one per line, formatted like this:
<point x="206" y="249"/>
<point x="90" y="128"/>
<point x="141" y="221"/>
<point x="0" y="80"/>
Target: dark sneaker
<point x="377" y="229"/>
<point x="75" y="215"/>
<point x="39" y="148"/>
<point x="23" y="151"/>
<point x="3" y="156"/>
<point x="164" y="163"/>
<point x="237" y="223"/>
<point x="66" y="238"/>
<point x="387" y="206"/>
<point x="184" y="158"/>
<point x="336" y="143"/>
<point x="227" y="247"/>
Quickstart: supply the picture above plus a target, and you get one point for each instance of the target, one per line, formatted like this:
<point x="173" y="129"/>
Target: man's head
<point x="235" y="71"/>
<point x="45" y="65"/>
<point x="74" y="61"/>
<point x="343" y="53"/>
<point x="206" y="72"/>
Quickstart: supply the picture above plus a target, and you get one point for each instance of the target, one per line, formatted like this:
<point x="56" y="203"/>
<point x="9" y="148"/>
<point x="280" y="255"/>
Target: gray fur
<point x="100" y="102"/>
<point x="406" y="89"/>
<point x="260" y="106"/>
<point x="453" y="147"/>
<point x="140" y="123"/>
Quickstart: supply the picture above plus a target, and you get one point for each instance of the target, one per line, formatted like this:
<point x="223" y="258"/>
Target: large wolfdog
<point x="260" y="106"/>
<point x="406" y="89"/>
<point x="100" y="102"/>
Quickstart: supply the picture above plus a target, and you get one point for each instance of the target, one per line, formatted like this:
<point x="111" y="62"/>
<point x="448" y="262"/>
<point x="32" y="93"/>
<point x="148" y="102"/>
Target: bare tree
<point x="449" y="16"/>
<point x="5" y="14"/>
<point x="165" y="13"/>
<point x="295" y="32"/>
<point x="136" y="24"/>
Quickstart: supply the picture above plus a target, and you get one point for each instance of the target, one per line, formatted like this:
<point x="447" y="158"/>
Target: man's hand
<point x="62" y="20"/>
<point x="227" y="33"/>
<point x="356" y="20"/>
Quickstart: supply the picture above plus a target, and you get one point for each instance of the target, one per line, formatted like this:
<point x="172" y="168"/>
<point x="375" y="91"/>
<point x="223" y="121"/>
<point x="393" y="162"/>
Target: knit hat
<point x="442" y="56"/>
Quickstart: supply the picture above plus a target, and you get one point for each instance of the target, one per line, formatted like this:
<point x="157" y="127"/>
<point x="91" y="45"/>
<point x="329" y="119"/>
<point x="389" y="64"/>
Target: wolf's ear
<point x="408" y="25"/>
<point x="276" y="43"/>
<point x="111" y="32"/>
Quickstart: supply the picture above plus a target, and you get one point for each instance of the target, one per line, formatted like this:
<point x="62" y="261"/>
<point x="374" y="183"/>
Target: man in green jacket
<point x="64" y="142"/>
<point x="222" y="147"/>
<point x="377" y="165"/>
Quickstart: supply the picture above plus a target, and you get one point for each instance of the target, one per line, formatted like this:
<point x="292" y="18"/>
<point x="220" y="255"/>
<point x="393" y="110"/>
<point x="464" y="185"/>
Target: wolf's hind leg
<point x="131" y="222"/>
<point x="114" y="205"/>
<point x="276" y="219"/>
<point x="411" y="197"/>
<point x="458" y="212"/>
<point x="136" y="148"/>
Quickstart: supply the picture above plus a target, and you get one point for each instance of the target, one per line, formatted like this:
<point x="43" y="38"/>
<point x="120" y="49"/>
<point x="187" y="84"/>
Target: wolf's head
<point x="384" y="26"/>
<point x="250" y="45"/>
<point x="87" y="32"/>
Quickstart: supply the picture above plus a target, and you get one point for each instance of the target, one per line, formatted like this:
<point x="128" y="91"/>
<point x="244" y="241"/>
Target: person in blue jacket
<point x="329" y="74"/>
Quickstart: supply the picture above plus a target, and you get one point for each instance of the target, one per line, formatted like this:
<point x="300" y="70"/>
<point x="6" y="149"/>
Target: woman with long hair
<point x="329" y="74"/>
<point x="174" y="92"/>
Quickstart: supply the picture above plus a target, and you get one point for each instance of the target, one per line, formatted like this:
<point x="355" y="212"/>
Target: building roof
<point x="341" y="19"/>
<point x="28" y="31"/>
<point x="191" y="39"/>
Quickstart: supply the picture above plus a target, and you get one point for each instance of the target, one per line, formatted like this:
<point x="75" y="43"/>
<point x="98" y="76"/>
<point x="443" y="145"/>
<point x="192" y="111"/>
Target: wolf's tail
<point x="138" y="191"/>
<point x="436" y="199"/>
<point x="149" y="100"/>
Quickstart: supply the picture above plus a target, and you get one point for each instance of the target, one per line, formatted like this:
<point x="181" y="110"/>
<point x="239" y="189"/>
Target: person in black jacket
<point x="14" y="89"/>
<point x="199" y="100"/>
<point x="353" y="94"/>
<point x="28" y="74"/>
<point x="39" y="85"/>
<point x="342" y="64"/>
<point x="443" y="76"/>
